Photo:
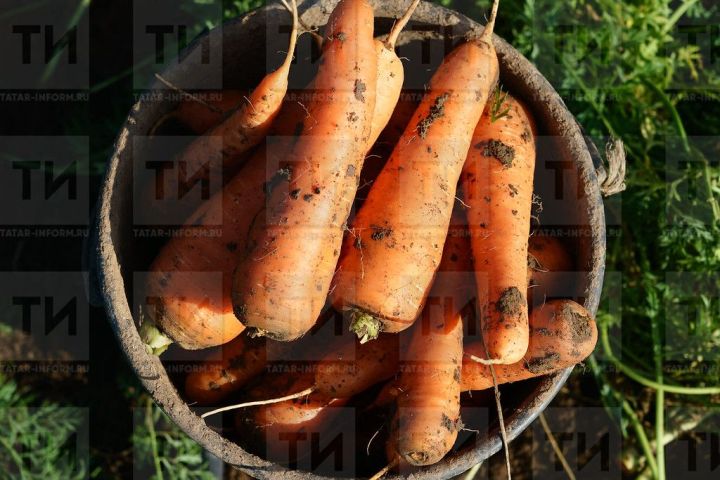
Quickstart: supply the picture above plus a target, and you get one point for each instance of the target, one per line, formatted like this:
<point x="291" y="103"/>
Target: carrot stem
<point x="293" y="34"/>
<point x="293" y="396"/>
<point x="400" y="25"/>
<point x="486" y="35"/>
<point x="364" y="325"/>
<point x="156" y="342"/>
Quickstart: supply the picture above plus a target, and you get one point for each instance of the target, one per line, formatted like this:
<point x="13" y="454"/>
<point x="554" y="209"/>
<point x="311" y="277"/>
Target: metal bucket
<point x="115" y="253"/>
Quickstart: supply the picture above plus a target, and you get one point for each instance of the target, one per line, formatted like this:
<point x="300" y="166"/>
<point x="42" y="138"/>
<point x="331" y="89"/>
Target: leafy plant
<point x="39" y="442"/>
<point x="162" y="450"/>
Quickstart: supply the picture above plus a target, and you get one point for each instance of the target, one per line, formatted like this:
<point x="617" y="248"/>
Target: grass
<point x="40" y="440"/>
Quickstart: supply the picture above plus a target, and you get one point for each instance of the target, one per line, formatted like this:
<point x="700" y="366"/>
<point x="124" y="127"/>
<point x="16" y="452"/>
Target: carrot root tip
<point x="156" y="342"/>
<point x="364" y="325"/>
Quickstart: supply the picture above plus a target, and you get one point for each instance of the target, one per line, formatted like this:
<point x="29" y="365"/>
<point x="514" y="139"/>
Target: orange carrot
<point x="548" y="260"/>
<point x="395" y="242"/>
<point x="391" y="76"/>
<point x="425" y="424"/>
<point x="563" y="334"/>
<point x="354" y="368"/>
<point x="242" y="359"/>
<point x="351" y="369"/>
<point x="497" y="183"/>
<point x="251" y="122"/>
<point x="201" y="117"/>
<point x="285" y="429"/>
<point x="304" y="223"/>
<point x="213" y="156"/>
<point x="187" y="308"/>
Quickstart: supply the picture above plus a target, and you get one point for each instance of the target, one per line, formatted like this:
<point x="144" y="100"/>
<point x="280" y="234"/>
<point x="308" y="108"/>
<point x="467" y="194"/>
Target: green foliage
<point x="625" y="69"/>
<point x="162" y="450"/>
<point x="235" y="8"/>
<point x="39" y="442"/>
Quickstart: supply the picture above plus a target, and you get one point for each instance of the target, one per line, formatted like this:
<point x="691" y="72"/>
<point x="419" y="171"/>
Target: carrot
<point x="497" y="182"/>
<point x="247" y="126"/>
<point x="304" y="223"/>
<point x="563" y="334"/>
<point x="215" y="154"/>
<point x="351" y="369"/>
<point x="285" y="429"/>
<point x="396" y="240"/>
<point x="548" y="259"/>
<point x="354" y="368"/>
<point x="201" y="117"/>
<point x="391" y="76"/>
<point x="425" y="424"/>
<point x="188" y="309"/>
<point x="242" y="359"/>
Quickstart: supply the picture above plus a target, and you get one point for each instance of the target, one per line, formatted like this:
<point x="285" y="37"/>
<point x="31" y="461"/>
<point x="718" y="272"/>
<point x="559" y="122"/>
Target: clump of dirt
<point x="545" y="364"/>
<point x="510" y="302"/>
<point x="503" y="153"/>
<point x="360" y="89"/>
<point x="447" y="423"/>
<point x="580" y="328"/>
<point x="380" y="232"/>
<point x="436" y="111"/>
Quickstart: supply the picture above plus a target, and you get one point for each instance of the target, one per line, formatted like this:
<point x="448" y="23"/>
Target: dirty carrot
<point x="287" y="429"/>
<point x="201" y="117"/>
<point x="391" y="75"/>
<point x="352" y="368"/>
<point x="241" y="360"/>
<point x="187" y="307"/>
<point x="497" y="182"/>
<point x="213" y="156"/>
<point x="396" y="240"/>
<point x="549" y="266"/>
<point x="563" y="334"/>
<point x="425" y="424"/>
<point x="249" y="124"/>
<point x="304" y="223"/>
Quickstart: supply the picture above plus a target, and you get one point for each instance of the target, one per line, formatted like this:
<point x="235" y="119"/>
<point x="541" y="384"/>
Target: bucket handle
<point x="610" y="169"/>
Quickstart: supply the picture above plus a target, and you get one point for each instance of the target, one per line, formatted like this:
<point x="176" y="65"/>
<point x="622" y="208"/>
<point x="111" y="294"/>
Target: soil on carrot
<point x="360" y="88"/>
<point x="380" y="232"/>
<point x="547" y="363"/>
<point x="580" y="326"/>
<point x="436" y="111"/>
<point x="510" y="302"/>
<point x="496" y="149"/>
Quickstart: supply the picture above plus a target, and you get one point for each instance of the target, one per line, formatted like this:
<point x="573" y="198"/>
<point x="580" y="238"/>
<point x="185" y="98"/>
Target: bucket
<point x="114" y="252"/>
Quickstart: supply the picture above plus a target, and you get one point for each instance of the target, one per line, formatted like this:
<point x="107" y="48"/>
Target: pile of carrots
<point x="438" y="245"/>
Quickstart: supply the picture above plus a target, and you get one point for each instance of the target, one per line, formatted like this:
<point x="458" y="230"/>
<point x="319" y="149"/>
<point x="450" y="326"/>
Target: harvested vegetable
<point x="497" y="183"/>
<point x="425" y="424"/>
<point x="549" y="266"/>
<point x="563" y="334"/>
<point x="396" y="240"/>
<point x="305" y="221"/>
<point x="187" y="309"/>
